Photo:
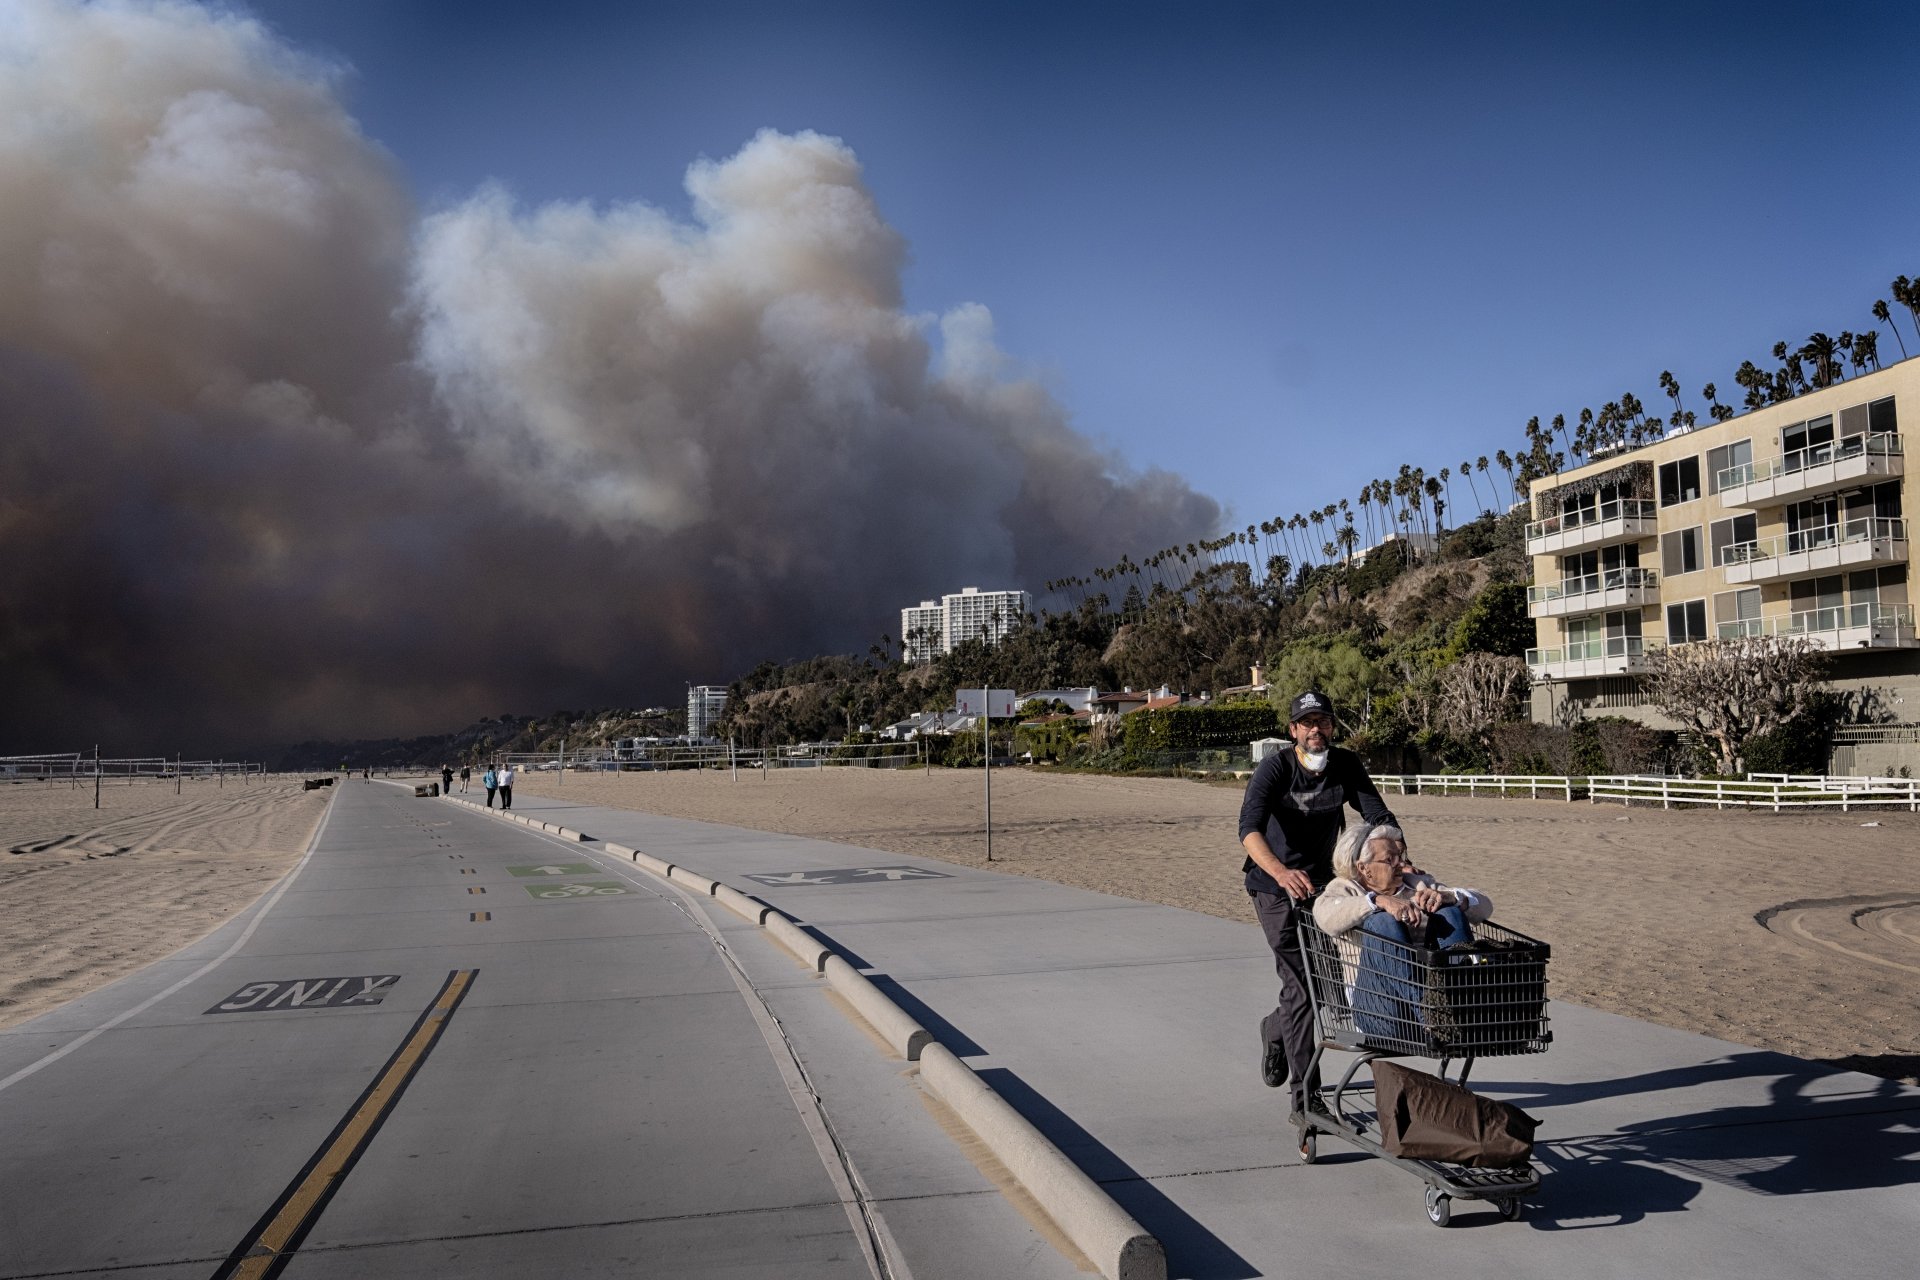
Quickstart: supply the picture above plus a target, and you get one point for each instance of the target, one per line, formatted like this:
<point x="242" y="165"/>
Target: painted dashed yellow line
<point x="468" y="871"/>
<point x="480" y="917"/>
<point x="270" y="1246"/>
<point x="479" y="888"/>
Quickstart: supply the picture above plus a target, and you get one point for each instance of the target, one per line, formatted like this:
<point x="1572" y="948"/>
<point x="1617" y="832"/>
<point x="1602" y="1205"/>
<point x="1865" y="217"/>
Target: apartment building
<point x="933" y="627"/>
<point x="1789" y="520"/>
<point x="923" y="630"/>
<point x="705" y="705"/>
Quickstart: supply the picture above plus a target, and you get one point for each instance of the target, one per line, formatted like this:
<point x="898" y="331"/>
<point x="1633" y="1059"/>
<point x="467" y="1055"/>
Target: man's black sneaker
<point x="1273" y="1063"/>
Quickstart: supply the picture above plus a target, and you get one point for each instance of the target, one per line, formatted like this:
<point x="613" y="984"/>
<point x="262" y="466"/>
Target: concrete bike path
<point x="1125" y="1032"/>
<point x="449" y="1046"/>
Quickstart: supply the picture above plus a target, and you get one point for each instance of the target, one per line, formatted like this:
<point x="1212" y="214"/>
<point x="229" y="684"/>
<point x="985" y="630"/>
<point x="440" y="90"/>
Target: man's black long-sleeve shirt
<point x="1300" y="812"/>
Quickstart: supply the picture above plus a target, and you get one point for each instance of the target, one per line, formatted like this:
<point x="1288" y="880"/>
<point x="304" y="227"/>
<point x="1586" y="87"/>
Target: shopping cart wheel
<point x="1510" y="1209"/>
<point x="1439" y="1207"/>
<point x="1309" y="1147"/>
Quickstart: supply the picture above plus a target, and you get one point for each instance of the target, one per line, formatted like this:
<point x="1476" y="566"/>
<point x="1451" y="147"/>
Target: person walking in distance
<point x="1289" y="820"/>
<point x="446" y="779"/>
<point x="491" y="781"/>
<point x="466" y="772"/>
<point x="506" y="786"/>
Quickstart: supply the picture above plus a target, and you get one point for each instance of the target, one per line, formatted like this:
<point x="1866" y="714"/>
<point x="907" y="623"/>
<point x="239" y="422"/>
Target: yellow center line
<point x="270" y="1247"/>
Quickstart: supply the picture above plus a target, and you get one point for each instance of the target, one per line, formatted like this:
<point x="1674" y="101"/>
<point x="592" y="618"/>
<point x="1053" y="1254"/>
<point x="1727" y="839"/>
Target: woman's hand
<point x="1428" y="898"/>
<point x="1401" y="909"/>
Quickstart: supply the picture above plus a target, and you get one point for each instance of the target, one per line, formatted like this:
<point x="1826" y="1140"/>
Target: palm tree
<point x="1347" y="538"/>
<point x="1866" y="350"/>
<point x="1437" y="503"/>
<point x="1907" y="293"/>
<point x="1885" y="317"/>
<point x="1506" y="465"/>
<point x="1823" y="353"/>
<point x="1715" y="410"/>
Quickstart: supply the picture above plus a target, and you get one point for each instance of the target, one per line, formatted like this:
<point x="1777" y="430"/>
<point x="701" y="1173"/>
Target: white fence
<point x="1775" y="791"/>
<point x="885" y="755"/>
<point x="1762" y="791"/>
<point x="1453" y="784"/>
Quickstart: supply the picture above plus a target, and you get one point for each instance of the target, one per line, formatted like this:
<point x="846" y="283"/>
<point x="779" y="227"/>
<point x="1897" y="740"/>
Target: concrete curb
<point x="1098" y="1227"/>
<point x="907" y="1037"/>
<point x="806" y="948"/>
<point x="1106" y="1233"/>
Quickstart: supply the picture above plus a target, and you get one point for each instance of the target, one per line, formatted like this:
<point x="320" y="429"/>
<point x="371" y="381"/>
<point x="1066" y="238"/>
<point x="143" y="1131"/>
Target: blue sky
<point x="1279" y="249"/>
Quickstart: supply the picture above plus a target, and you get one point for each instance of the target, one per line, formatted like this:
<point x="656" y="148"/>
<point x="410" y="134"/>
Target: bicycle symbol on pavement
<point x="559" y="892"/>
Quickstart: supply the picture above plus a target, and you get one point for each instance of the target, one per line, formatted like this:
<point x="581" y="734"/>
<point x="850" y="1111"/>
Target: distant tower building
<point x="988" y="615"/>
<point x="705" y="702"/>
<point x="923" y="630"/>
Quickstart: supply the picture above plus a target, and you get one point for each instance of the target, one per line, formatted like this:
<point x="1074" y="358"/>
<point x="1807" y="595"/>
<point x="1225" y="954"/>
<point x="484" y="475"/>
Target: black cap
<point x="1309" y="703"/>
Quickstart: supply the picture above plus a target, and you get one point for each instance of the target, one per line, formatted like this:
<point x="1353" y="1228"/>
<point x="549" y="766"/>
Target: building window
<point x="1737" y="613"/>
<point x="1686" y="622"/>
<point x="1880" y="417"/>
<point x="1680" y="551"/>
<point x="1736" y="457"/>
<point x="1680" y="481"/>
<point x="1722" y="534"/>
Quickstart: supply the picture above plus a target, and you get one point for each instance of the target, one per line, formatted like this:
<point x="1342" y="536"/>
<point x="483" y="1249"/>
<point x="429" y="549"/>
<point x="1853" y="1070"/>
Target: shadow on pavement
<point x="962" y="1044"/>
<point x="1798" y="1142"/>
<point x="1192" y="1250"/>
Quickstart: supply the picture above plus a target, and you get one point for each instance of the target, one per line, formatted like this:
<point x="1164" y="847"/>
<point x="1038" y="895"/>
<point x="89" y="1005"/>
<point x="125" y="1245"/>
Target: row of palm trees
<point x="1412" y="501"/>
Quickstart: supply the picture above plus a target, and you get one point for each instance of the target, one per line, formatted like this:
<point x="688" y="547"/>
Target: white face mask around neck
<point x="1316" y="761"/>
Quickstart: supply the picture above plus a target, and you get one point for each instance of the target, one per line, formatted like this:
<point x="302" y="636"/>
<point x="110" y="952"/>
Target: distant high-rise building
<point x="932" y="627"/>
<point x="705" y="703"/>
<point x="923" y="630"/>
<point x="973" y="614"/>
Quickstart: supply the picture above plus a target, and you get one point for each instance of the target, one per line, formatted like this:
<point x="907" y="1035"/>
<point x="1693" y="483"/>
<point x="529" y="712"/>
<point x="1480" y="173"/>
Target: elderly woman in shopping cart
<point x="1378" y="907"/>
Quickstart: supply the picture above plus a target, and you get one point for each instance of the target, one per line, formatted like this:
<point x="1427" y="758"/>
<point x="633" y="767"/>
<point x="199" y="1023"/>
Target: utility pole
<point x="986" y="758"/>
<point x="563" y="762"/>
<point x="176" y="773"/>
<point x="96" y="775"/>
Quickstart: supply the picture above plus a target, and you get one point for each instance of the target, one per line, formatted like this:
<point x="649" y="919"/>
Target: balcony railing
<point x="1581" y="517"/>
<point x="1592" y="584"/>
<point x="1883" y="445"/>
<point x="1864" y="529"/>
<point x="1891" y="618"/>
<point x="1583" y="659"/>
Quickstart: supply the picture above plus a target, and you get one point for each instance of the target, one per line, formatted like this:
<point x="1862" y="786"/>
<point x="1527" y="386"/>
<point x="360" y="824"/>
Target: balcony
<point x="1838" y="464"/>
<point x="1593" y="592"/>
<point x="1826" y="548"/>
<point x="1614" y="656"/>
<point x="1605" y="525"/>
<point x="1856" y="626"/>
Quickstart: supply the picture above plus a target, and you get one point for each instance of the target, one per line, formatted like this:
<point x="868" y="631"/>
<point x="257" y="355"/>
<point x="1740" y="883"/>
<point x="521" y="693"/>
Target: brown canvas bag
<point x="1423" y="1117"/>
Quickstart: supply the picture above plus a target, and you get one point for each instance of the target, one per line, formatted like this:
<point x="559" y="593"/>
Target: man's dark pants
<point x="1291" y="1023"/>
<point x="506" y="797"/>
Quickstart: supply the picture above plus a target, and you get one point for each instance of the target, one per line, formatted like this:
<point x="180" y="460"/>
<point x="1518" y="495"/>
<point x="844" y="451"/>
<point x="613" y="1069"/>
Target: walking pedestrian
<point x="446" y="779"/>
<point x="466" y="771"/>
<point x="1289" y="821"/>
<point x="491" y="781"/>
<point x="506" y="786"/>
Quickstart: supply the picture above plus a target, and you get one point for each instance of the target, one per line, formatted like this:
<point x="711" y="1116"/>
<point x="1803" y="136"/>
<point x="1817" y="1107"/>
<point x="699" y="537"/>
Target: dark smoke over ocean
<point x="286" y="457"/>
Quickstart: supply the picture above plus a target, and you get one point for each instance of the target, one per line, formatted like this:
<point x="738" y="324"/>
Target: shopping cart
<point x="1387" y="1000"/>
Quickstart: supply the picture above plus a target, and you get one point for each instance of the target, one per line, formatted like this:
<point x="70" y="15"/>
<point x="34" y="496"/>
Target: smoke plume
<point x="284" y="457"/>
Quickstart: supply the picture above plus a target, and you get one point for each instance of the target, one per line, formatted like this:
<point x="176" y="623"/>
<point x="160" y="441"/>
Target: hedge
<point x="1199" y="728"/>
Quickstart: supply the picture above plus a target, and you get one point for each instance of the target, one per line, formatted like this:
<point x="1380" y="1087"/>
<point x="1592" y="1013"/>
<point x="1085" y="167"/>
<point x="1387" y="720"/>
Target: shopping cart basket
<point x="1374" y="998"/>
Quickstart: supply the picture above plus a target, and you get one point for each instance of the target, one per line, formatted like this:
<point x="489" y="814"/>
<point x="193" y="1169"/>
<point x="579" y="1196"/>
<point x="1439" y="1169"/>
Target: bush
<point x="1802" y="745"/>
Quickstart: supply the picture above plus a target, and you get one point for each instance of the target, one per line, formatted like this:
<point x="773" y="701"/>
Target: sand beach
<point x="89" y="895"/>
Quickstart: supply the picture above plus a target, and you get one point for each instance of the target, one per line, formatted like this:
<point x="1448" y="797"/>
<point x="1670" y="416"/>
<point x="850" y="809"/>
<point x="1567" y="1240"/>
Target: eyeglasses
<point x="1391" y="860"/>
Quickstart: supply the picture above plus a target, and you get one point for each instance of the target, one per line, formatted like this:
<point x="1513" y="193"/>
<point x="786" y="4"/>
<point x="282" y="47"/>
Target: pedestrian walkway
<point x="1126" y="1032"/>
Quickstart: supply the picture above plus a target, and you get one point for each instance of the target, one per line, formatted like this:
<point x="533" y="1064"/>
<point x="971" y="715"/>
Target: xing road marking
<point x="308" y="993"/>
<point x="562" y="869"/>
<point x="274" y="1239"/>
<point x="847" y="875"/>
<point x="479" y="888"/>
<point x="468" y="871"/>
<point x="555" y="892"/>
<point x="480" y="917"/>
